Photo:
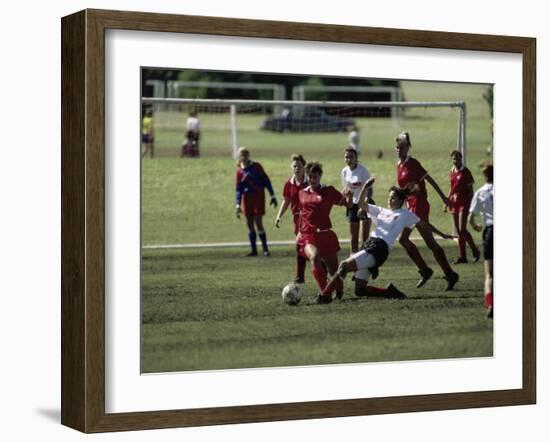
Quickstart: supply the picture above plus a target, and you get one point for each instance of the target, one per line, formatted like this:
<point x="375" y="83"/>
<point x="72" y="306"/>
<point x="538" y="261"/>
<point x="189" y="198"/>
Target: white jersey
<point x="354" y="180"/>
<point x="390" y="223"/>
<point x="482" y="202"/>
<point x="193" y="124"/>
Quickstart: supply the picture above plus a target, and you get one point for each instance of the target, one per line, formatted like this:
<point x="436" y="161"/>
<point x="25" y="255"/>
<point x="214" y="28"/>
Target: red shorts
<point x="326" y="243"/>
<point x="253" y="204"/>
<point x="420" y="208"/>
<point x="459" y="205"/>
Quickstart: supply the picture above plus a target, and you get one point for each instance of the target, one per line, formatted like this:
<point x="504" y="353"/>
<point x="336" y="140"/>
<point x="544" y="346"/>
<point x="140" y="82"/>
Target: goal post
<point x="310" y="116"/>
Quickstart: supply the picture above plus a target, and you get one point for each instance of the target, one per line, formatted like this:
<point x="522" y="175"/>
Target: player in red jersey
<point x="411" y="174"/>
<point x="291" y="189"/>
<point x="251" y="181"/>
<point x="316" y="241"/>
<point x="460" y="197"/>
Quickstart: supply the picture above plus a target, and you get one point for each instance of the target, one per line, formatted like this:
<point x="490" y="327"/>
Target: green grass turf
<point x="202" y="309"/>
<point x="205" y="309"/>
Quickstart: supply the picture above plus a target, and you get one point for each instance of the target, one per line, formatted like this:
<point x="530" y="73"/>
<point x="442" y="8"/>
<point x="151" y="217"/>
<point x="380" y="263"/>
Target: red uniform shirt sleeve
<point x="336" y="197"/>
<point x="417" y="172"/>
<point x="286" y="190"/>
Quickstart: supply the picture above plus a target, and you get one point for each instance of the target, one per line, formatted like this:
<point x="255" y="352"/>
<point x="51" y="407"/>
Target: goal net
<point x="281" y="127"/>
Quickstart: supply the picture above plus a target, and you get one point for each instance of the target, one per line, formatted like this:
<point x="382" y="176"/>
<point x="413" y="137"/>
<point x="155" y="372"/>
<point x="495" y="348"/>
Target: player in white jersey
<point x="190" y="146"/>
<point x="390" y="222"/>
<point x="354" y="176"/>
<point x="482" y="204"/>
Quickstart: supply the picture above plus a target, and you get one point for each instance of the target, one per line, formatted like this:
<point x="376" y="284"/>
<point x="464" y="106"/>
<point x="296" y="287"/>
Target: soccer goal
<point x="302" y="126"/>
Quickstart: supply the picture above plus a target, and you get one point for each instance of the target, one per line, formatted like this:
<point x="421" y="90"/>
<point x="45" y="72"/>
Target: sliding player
<point x="460" y="197"/>
<point x="411" y="174"/>
<point x="390" y="223"/>
<point x="316" y="241"/>
<point x="482" y="203"/>
<point x="251" y="181"/>
<point x="291" y="189"/>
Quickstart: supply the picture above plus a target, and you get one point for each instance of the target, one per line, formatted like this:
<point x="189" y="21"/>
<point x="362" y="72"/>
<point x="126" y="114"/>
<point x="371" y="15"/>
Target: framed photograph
<point x="225" y="258"/>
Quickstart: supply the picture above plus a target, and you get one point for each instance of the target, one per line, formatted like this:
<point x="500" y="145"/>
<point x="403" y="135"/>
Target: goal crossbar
<point x="222" y="102"/>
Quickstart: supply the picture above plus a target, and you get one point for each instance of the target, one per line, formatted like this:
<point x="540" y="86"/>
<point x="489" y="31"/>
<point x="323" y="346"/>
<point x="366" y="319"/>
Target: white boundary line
<point x="234" y="244"/>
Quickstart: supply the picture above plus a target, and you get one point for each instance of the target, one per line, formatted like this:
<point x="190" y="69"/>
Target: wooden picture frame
<point x="83" y="220"/>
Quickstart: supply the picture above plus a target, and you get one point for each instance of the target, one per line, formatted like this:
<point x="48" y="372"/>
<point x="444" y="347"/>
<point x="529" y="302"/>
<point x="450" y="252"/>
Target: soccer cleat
<point x="320" y="299"/>
<point x="425" y="275"/>
<point x="460" y="260"/>
<point x="477" y="255"/>
<point x="266" y="253"/>
<point x="394" y="292"/>
<point x="451" y="279"/>
<point x="490" y="313"/>
<point x="299" y="280"/>
<point x="253" y="253"/>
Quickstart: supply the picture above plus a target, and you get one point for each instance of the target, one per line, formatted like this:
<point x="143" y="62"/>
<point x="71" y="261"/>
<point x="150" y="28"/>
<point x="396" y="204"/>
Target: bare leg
<point x="412" y="250"/>
<point x="365" y="229"/>
<point x="467" y="237"/>
<point x="331" y="263"/>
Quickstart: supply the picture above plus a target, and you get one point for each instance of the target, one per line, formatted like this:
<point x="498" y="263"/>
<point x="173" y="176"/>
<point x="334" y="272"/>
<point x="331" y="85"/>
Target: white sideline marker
<point x="236" y="244"/>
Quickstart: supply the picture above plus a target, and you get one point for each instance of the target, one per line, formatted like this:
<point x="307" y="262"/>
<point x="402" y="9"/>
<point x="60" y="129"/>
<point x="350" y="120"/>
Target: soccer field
<point x="211" y="308"/>
<point x="206" y="309"/>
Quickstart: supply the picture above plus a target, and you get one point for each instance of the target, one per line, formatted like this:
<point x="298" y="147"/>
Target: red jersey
<point x="409" y="171"/>
<point x="461" y="187"/>
<point x="290" y="192"/>
<point x="315" y="208"/>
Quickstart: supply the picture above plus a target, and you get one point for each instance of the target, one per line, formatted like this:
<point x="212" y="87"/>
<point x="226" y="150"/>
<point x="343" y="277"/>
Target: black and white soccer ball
<point x="292" y="293"/>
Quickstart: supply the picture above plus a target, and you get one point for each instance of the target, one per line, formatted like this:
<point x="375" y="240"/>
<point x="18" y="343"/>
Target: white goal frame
<point x="461" y="105"/>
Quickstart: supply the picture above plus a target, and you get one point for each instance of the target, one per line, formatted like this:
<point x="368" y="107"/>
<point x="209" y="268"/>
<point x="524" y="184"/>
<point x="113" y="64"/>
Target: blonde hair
<point x="404" y="136"/>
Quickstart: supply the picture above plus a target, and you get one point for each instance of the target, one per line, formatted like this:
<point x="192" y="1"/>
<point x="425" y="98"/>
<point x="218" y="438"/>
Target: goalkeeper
<point x="251" y="180"/>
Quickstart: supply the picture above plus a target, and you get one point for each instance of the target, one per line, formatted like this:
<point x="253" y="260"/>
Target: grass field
<point x="201" y="309"/>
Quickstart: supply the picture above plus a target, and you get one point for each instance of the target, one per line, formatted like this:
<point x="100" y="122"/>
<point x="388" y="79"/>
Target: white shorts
<point x="363" y="260"/>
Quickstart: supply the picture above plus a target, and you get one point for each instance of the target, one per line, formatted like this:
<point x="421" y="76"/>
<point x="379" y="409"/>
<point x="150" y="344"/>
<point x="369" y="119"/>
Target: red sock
<point x="441" y="259"/>
<point x="300" y="263"/>
<point x="320" y="276"/>
<point x="489" y="299"/>
<point x="376" y="291"/>
<point x="335" y="283"/>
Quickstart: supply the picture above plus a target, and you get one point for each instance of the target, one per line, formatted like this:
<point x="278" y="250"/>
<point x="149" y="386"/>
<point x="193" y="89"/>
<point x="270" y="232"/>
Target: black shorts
<point x="488" y="242"/>
<point x="351" y="212"/>
<point x="378" y="248"/>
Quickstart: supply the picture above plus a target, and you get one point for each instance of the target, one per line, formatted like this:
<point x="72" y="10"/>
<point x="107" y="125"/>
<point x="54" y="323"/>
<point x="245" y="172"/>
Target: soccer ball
<point x="292" y="293"/>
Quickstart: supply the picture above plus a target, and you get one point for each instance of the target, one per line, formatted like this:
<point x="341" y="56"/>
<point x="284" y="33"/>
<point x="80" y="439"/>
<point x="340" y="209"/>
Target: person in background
<point x="291" y="190"/>
<point x="147" y="133"/>
<point x="411" y="175"/>
<point x="460" y="197"/>
<point x="482" y="204"/>
<point x="354" y="176"/>
<point x="193" y="132"/>
<point x="251" y="180"/>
